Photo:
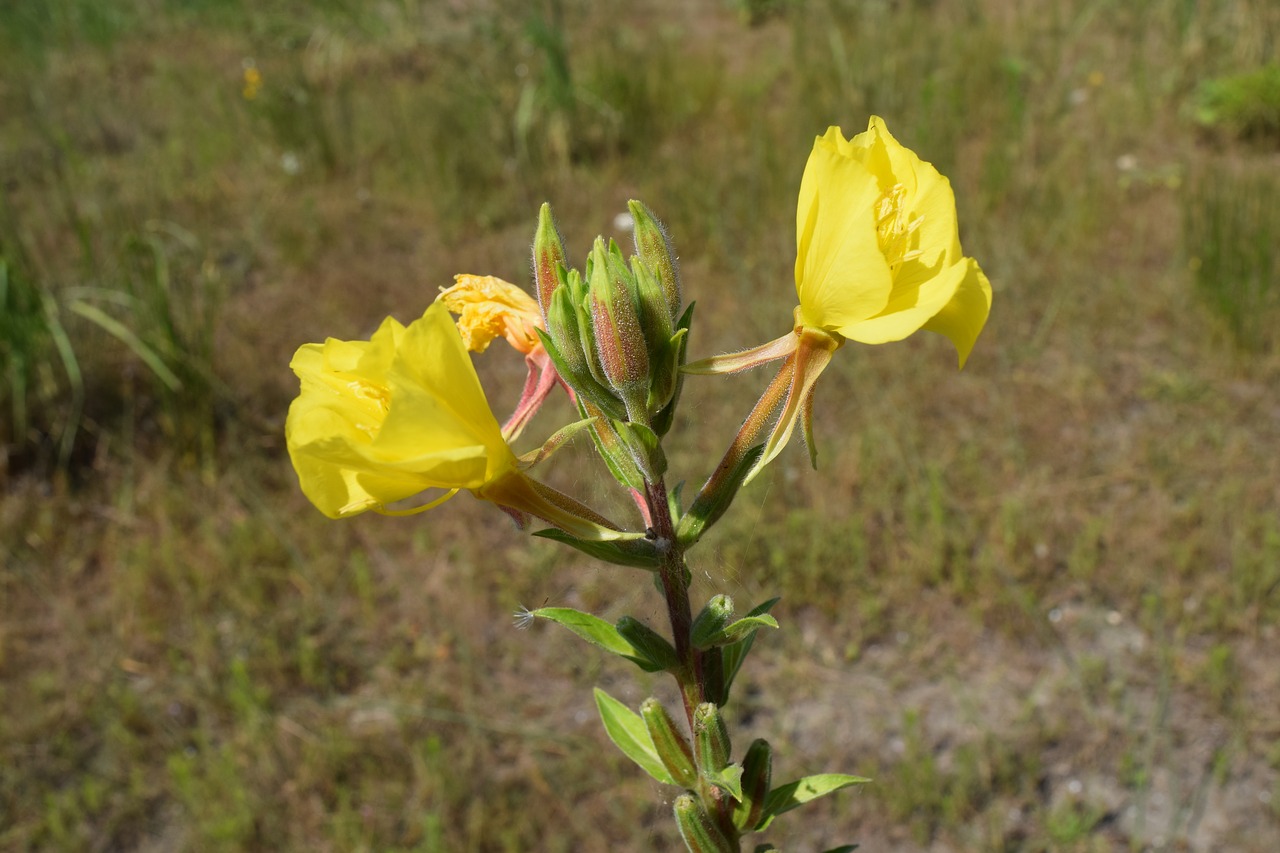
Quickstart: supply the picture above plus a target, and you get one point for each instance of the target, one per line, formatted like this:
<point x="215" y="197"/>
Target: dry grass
<point x="1036" y="600"/>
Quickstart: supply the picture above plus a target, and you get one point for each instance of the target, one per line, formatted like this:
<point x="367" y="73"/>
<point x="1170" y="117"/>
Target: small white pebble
<point x="1055" y="615"/>
<point x="1074" y="786"/>
<point x="1114" y="618"/>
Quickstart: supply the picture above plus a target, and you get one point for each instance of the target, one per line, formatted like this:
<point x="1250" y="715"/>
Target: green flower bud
<point x="672" y="746"/>
<point x="548" y="253"/>
<point x="615" y="325"/>
<point x="711" y="621"/>
<point x="699" y="832"/>
<point x="757" y="772"/>
<point x="653" y="246"/>
<point x="648" y="642"/>
<point x="562" y="326"/>
<point x="710" y="738"/>
<point x="655" y="319"/>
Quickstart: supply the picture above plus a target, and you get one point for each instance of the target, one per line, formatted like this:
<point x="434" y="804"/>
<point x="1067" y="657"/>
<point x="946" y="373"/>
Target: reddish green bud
<point x="548" y="253"/>
<point x="700" y="833"/>
<point x="653" y="246"/>
<point x="615" y="325"/>
<point x="710" y="738"/>
<point x="757" y="772"/>
<point x="672" y="746"/>
<point x="710" y="622"/>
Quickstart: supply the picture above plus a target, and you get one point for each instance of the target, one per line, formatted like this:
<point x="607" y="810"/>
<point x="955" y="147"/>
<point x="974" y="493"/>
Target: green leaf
<point x="735" y="631"/>
<point x="795" y="794"/>
<point x="593" y="629"/>
<point x="628" y="732"/>
<point x="843" y="848"/>
<point x="637" y="553"/>
<point x="730" y="779"/>
<point x="736" y="652"/>
<point x="126" y="336"/>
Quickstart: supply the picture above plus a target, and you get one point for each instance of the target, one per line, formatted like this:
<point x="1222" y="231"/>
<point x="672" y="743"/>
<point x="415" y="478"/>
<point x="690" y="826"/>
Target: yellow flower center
<point x="379" y="397"/>
<point x="893" y="229"/>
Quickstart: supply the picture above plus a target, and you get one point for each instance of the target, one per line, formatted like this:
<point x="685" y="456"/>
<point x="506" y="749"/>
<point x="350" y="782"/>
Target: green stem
<point x="691" y="674"/>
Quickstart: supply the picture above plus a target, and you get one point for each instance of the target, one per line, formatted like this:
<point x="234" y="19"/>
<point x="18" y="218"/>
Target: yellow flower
<point x="877" y="258"/>
<point x="878" y="246"/>
<point x="252" y="82"/>
<point x="381" y="420"/>
<point x="488" y="307"/>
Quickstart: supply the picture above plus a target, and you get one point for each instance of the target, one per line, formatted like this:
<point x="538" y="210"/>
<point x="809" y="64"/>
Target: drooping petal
<point x="964" y="316"/>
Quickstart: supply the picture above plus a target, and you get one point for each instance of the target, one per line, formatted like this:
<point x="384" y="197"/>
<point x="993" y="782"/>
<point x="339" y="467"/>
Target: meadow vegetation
<point x="1036" y="600"/>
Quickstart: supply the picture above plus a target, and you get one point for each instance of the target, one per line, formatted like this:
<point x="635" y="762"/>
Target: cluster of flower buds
<point x="616" y="335"/>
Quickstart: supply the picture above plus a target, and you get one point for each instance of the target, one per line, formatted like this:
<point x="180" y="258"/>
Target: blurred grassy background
<point x="1036" y="600"/>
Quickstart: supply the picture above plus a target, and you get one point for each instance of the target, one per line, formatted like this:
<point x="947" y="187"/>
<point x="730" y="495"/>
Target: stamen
<point x="894" y="231"/>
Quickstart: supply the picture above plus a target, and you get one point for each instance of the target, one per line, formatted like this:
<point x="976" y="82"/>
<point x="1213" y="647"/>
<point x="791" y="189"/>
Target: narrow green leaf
<point x="593" y="629"/>
<point x="735" y="631"/>
<point x="126" y="336"/>
<point x="628" y="732"/>
<point x="730" y="779"/>
<point x="636" y="553"/>
<point x="795" y="794"/>
<point x="843" y="848"/>
<point x="736" y="652"/>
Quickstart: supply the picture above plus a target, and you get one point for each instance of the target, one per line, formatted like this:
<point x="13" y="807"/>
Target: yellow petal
<point x="841" y="275"/>
<point x="381" y="420"/>
<point x="963" y="317"/>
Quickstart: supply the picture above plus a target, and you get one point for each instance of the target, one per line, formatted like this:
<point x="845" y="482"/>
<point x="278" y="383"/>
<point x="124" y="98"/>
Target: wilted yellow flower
<point x="488" y="307"/>
<point x="878" y="246"/>
<point x="381" y="420"/>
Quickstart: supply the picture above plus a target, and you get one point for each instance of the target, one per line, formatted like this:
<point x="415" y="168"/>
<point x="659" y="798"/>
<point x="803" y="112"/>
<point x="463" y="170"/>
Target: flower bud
<point x="711" y="738"/>
<point x="672" y="746"/>
<point x="652" y="645"/>
<point x="699" y="832"/>
<point x="655" y="318"/>
<point x="653" y="246"/>
<point x="615" y="324"/>
<point x="757" y="771"/>
<point x="711" y="621"/>
<point x="548" y="252"/>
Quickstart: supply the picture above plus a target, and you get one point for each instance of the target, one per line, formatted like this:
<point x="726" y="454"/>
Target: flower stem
<point x="691" y="675"/>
